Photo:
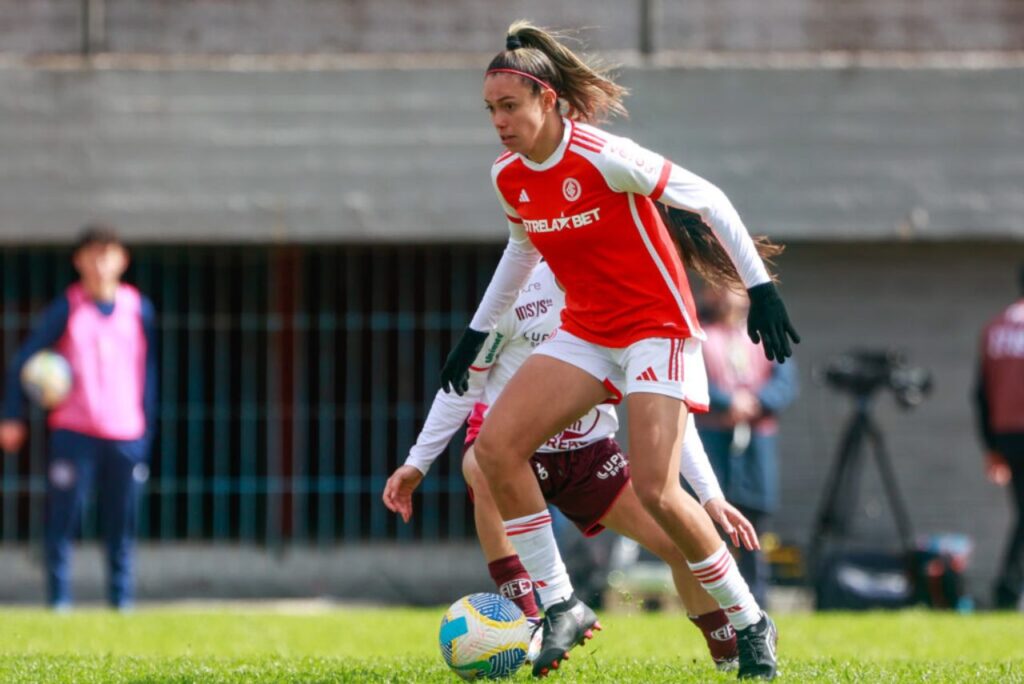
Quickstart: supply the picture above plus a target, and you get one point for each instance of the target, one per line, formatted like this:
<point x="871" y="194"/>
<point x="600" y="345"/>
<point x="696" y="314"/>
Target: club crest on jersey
<point x="571" y="189"/>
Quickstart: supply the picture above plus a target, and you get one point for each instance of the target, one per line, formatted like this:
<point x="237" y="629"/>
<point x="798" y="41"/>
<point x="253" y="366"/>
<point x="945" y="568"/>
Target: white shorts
<point x="660" y="365"/>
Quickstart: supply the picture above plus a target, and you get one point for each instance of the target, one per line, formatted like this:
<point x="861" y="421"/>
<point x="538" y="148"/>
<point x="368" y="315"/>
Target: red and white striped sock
<point x="721" y="578"/>
<point x="534" y="542"/>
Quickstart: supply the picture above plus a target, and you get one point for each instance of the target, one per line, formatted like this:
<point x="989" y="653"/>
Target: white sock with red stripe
<point x="721" y="578"/>
<point x="534" y="541"/>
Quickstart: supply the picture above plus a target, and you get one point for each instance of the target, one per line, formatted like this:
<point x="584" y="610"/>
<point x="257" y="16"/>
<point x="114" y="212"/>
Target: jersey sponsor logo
<point x="498" y="337"/>
<point x="612" y="467"/>
<point x="575" y="436"/>
<point x="537" y="308"/>
<point x="523" y="197"/>
<point x="645" y="163"/>
<point x="536" y="338"/>
<point x="571" y="189"/>
<point x="531" y="286"/>
<point x="562" y="222"/>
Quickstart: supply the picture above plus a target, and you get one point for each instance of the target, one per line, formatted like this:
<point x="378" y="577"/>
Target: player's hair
<point x="702" y="252"/>
<point x="97" y="234"/>
<point x="591" y="96"/>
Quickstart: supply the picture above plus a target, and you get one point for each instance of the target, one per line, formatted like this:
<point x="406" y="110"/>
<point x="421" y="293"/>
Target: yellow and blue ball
<point x="484" y="636"/>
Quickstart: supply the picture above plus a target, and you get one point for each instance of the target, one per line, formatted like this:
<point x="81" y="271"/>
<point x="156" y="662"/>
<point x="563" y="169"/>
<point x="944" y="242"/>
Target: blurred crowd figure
<point x="101" y="433"/>
<point x="740" y="430"/>
<point x="1000" y="403"/>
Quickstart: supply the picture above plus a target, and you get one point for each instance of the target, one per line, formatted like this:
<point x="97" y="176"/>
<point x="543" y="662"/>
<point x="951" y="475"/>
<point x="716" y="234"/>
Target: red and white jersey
<point x="589" y="210"/>
<point x="533" y="318"/>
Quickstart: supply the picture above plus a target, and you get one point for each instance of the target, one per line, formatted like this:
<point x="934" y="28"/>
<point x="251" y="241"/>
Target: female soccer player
<point x="582" y="471"/>
<point x="584" y="199"/>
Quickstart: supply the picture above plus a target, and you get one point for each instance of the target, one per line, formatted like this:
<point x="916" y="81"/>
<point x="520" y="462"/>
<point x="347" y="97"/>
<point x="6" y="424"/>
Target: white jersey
<point x="534" y="316"/>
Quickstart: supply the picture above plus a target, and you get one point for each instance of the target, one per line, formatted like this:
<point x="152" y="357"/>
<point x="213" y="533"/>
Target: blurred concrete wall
<point x="269" y="26"/>
<point x="180" y="154"/>
<point x="929" y="301"/>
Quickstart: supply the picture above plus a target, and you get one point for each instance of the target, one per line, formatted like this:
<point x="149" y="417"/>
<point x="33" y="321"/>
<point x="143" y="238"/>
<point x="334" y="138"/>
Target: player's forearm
<point x="695" y="466"/>
<point x="446" y="416"/>
<point x="511" y="274"/>
<point x="686" y="190"/>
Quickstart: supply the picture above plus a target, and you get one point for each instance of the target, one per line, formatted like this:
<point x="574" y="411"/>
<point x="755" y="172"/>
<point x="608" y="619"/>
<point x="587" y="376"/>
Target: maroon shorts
<point x="584" y="483"/>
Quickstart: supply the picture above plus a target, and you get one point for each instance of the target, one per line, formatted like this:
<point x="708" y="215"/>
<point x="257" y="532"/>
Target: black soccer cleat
<point x="756" y="645"/>
<point x="566" y="624"/>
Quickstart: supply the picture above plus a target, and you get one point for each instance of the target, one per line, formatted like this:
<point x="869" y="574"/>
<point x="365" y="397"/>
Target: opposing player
<point x="582" y="471"/>
<point x="584" y="199"/>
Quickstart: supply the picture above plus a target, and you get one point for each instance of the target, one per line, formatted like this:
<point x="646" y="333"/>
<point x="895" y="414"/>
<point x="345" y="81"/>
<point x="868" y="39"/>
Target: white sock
<point x="721" y="578"/>
<point x="534" y="541"/>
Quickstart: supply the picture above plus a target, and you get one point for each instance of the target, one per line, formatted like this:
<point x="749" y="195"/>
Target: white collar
<point x="557" y="155"/>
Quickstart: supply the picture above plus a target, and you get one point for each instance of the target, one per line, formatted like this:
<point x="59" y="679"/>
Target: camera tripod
<point x="836" y="509"/>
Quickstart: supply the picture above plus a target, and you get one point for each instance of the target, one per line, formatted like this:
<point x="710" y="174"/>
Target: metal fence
<point x="293" y="380"/>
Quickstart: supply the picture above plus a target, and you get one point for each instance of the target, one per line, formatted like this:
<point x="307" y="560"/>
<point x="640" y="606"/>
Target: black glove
<point x="769" y="323"/>
<point x="455" y="372"/>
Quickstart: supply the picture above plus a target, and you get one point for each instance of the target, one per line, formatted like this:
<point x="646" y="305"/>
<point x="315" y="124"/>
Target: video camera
<point x="863" y="371"/>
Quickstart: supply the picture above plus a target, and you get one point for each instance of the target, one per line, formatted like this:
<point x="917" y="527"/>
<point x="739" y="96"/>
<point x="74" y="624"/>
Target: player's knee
<point x="485" y="450"/>
<point x="471" y="469"/>
<point x="654" y="497"/>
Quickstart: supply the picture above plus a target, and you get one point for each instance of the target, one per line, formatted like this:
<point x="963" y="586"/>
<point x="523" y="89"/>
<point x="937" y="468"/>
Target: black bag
<point x="863" y="580"/>
<point x="931" y="575"/>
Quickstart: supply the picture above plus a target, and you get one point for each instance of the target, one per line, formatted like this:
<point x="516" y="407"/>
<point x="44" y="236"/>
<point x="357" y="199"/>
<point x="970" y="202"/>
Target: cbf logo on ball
<point x="484" y="636"/>
<point x="571" y="189"/>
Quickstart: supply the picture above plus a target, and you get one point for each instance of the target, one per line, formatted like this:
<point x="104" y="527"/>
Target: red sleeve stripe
<point x="666" y="171"/>
<point x="588" y="142"/>
<point x="479" y="369"/>
<point x="587" y="135"/>
<point x="513" y="219"/>
<point x="586" y="146"/>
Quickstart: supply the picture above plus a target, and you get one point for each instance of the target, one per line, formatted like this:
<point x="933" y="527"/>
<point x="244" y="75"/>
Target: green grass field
<point x="400" y="645"/>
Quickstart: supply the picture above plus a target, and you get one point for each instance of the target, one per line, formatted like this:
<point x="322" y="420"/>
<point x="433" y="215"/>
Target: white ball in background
<point x="46" y="378"/>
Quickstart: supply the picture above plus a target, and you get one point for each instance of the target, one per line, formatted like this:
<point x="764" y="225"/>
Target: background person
<point x="740" y="431"/>
<point x="1000" y="406"/>
<point x="100" y="434"/>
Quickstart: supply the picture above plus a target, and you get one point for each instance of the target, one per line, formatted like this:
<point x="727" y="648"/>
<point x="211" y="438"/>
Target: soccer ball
<point x="484" y="635"/>
<point x="46" y="378"/>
